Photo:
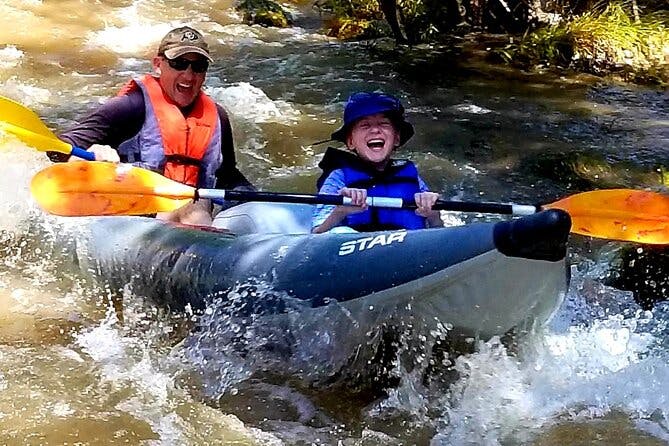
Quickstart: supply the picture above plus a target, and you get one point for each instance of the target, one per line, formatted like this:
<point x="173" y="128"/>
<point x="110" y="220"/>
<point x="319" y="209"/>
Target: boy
<point x="373" y="128"/>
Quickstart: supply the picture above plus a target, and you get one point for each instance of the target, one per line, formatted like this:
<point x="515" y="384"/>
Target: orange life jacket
<point x="185" y="138"/>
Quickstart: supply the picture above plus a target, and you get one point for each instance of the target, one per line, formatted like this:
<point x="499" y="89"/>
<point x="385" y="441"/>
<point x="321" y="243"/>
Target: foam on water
<point x="250" y="109"/>
<point x="582" y="373"/>
<point x="16" y="204"/>
<point x="24" y="92"/>
<point x="248" y="102"/>
<point x="471" y="109"/>
<point x="10" y="57"/>
<point x="146" y="32"/>
<point x="239" y="34"/>
<point x="145" y="35"/>
<point x="125" y="363"/>
<point x="130" y="364"/>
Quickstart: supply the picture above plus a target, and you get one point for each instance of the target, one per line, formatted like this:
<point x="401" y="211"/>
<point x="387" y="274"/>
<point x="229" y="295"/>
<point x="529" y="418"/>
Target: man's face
<point x="178" y="79"/>
<point x="374" y="137"/>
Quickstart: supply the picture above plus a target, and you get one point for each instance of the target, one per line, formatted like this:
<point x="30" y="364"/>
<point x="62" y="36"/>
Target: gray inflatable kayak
<point x="481" y="279"/>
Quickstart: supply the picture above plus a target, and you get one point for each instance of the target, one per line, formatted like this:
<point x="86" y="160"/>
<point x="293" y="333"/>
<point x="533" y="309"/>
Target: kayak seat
<point x="266" y="218"/>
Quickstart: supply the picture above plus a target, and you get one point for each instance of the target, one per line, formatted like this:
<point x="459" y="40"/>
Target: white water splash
<point x="24" y="92"/>
<point x="250" y="103"/>
<point x="471" y="109"/>
<point x="16" y="204"/>
<point x="126" y="364"/>
<point x="10" y="57"/>
<point x="239" y="34"/>
<point x="145" y="34"/>
<point x="141" y="20"/>
<point x="581" y="374"/>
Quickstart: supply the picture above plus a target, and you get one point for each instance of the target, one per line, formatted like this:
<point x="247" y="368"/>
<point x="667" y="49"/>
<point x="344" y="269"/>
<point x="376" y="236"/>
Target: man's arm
<point x="117" y="120"/>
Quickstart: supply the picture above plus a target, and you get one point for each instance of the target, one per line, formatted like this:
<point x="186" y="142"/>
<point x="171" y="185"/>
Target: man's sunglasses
<point x="181" y="64"/>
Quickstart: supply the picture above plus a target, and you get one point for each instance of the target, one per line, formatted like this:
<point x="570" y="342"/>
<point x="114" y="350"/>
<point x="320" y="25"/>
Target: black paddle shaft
<point x="277" y="197"/>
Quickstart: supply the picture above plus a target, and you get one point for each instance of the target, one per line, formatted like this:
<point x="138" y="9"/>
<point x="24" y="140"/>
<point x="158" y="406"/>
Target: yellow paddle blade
<point x="28" y="127"/>
<point x="36" y="140"/>
<point x="20" y="116"/>
<point x="619" y="214"/>
<point x="99" y="188"/>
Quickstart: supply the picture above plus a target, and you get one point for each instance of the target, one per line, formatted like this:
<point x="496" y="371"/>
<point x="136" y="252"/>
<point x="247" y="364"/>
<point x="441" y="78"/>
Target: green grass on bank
<point x="610" y="41"/>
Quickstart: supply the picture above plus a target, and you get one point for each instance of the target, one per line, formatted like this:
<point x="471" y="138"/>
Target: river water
<point x="77" y="369"/>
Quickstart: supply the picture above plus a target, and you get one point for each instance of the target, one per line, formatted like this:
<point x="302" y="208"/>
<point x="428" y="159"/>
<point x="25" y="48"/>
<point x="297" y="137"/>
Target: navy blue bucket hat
<point x="360" y="105"/>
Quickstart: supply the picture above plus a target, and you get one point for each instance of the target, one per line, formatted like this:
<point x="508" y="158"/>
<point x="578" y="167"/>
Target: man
<point x="164" y="122"/>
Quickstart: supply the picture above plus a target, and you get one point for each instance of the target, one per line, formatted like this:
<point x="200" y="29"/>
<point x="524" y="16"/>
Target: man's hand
<point x="102" y="153"/>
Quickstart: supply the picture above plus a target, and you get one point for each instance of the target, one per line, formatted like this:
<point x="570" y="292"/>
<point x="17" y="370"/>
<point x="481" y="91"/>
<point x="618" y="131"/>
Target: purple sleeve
<point x="331" y="186"/>
<point x="118" y="119"/>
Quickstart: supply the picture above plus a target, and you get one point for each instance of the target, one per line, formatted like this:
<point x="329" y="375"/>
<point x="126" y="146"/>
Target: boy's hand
<point x="358" y="201"/>
<point x="424" y="203"/>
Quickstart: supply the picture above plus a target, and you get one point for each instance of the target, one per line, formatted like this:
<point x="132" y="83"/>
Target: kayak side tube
<point x="483" y="277"/>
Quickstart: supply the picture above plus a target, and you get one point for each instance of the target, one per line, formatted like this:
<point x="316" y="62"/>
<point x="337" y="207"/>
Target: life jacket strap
<point x="183" y="160"/>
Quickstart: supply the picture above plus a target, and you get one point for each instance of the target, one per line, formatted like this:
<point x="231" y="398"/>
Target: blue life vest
<point x="399" y="179"/>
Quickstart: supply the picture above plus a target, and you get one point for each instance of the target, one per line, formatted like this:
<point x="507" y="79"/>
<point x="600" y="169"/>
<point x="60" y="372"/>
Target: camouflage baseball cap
<point x="183" y="40"/>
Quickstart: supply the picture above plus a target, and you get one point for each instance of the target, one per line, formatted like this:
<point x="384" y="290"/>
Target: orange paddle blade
<point x="619" y="214"/>
<point x="99" y="188"/>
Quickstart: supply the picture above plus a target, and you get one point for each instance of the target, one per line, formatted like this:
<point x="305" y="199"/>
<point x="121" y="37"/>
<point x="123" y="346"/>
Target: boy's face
<point x="374" y="138"/>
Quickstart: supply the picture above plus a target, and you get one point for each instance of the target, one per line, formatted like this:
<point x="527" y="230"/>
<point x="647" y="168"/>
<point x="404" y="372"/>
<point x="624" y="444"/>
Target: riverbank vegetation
<point x="628" y="38"/>
<point x="625" y="38"/>
<point x="611" y="41"/>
